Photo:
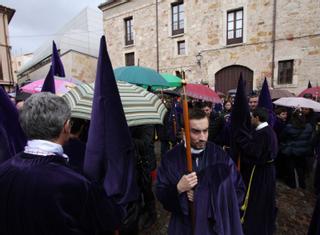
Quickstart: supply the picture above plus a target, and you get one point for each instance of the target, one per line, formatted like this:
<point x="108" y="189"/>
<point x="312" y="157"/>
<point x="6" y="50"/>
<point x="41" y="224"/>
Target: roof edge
<point x="8" y="11"/>
<point x="111" y="4"/>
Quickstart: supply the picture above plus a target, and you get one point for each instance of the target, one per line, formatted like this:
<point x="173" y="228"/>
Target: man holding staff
<point x="215" y="186"/>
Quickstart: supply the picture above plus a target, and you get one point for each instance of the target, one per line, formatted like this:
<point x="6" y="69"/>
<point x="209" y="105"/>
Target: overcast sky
<point x="35" y="21"/>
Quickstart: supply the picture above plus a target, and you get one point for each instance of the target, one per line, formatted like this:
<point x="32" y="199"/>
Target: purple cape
<point x="259" y="149"/>
<point x="41" y="195"/>
<point x="218" y="194"/>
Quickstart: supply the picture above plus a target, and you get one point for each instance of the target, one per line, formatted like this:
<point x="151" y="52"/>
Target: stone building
<point x="18" y="61"/>
<point x="6" y="75"/>
<point x="78" y="46"/>
<point x="216" y="40"/>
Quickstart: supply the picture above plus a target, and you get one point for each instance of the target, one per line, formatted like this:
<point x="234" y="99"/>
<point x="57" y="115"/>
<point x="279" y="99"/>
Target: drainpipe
<point x="157" y="34"/>
<point x="273" y="40"/>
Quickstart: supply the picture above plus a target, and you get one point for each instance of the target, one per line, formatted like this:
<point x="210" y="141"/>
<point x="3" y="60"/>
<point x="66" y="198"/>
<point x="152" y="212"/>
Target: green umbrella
<point x="172" y="80"/>
<point x="140" y="76"/>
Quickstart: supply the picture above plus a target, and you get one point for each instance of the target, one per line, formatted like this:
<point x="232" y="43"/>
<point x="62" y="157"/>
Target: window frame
<point x="287" y="78"/>
<point x="126" y="58"/>
<point x="128" y="27"/>
<point x="1" y="71"/>
<point x="179" y="48"/>
<point x="235" y="39"/>
<point x="179" y="30"/>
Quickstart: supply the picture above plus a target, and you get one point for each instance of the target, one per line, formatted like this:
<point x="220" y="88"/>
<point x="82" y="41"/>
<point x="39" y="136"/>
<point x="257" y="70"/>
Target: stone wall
<point x="297" y="38"/>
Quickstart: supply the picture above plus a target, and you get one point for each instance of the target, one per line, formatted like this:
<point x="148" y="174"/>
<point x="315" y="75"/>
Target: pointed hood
<point x="12" y="138"/>
<point x="109" y="155"/>
<point x="266" y="102"/>
<point x="56" y="63"/>
<point x="309" y="84"/>
<point x="48" y="84"/>
<point x="240" y="115"/>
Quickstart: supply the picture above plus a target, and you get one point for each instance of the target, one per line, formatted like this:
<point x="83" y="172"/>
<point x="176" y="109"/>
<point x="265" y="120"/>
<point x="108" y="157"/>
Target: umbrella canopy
<point x="202" y="92"/>
<point x="298" y="102"/>
<point x="314" y="91"/>
<point x="172" y="80"/>
<point x="140" y="76"/>
<point x="140" y="106"/>
<point x="278" y="93"/>
<point x="62" y="85"/>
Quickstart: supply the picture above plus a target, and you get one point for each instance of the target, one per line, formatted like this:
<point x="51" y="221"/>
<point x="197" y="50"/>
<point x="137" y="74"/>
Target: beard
<point x="199" y="145"/>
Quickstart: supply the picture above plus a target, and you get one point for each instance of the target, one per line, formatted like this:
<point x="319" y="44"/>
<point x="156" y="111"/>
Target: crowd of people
<point x="44" y="189"/>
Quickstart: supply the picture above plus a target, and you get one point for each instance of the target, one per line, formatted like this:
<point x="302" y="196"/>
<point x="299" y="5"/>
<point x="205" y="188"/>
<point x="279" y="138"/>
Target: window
<point x="129" y="59"/>
<point x="1" y="73"/>
<point x="285" y="72"/>
<point x="177" y="10"/>
<point x="181" y="48"/>
<point x="235" y="26"/>
<point x="128" y="24"/>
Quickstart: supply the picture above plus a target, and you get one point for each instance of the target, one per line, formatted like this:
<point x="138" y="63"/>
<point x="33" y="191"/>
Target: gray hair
<point x="43" y="116"/>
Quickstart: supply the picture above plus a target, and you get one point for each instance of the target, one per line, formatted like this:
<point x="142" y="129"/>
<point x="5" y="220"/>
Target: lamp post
<point x="199" y="58"/>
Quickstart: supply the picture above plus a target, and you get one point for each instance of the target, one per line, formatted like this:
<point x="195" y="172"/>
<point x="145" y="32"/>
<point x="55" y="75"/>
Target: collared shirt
<point x="261" y="125"/>
<point x="44" y="148"/>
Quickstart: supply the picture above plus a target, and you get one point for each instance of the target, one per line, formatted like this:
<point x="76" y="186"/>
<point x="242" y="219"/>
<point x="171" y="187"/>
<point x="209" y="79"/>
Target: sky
<point x="36" y="21"/>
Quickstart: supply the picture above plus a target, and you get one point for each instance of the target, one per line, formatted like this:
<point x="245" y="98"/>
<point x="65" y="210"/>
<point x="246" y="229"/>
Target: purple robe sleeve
<point x="260" y="147"/>
<point x="166" y="189"/>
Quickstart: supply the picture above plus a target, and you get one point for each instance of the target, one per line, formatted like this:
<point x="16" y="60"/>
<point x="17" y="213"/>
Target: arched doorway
<point x="227" y="78"/>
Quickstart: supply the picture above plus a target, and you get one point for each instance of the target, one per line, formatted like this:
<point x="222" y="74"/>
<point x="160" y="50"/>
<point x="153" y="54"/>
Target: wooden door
<point x="227" y="78"/>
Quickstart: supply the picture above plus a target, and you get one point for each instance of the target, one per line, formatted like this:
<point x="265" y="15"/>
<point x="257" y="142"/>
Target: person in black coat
<point x="296" y="145"/>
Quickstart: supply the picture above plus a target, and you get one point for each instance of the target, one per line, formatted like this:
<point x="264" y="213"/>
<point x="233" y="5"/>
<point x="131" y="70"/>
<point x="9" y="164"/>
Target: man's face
<point x="253" y="103"/>
<point x="207" y="110"/>
<point x="199" y="133"/>
<point x="305" y="111"/>
<point x="283" y="116"/>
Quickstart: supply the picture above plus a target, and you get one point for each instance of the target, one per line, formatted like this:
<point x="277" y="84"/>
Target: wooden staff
<point x="188" y="145"/>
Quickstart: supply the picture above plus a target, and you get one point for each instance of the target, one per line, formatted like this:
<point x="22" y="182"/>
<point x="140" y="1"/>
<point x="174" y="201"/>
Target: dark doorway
<point x="227" y="78"/>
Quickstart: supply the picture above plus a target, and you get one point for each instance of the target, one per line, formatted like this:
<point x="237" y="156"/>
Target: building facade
<point x="78" y="45"/>
<point x="6" y="74"/>
<point x="216" y="40"/>
<point x="18" y="61"/>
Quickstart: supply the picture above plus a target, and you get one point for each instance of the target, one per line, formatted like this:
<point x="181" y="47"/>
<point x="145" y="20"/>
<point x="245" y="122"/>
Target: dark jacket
<point x="296" y="141"/>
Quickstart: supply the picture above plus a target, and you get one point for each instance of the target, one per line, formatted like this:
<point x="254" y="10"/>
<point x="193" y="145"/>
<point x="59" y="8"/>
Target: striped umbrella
<point x="140" y="106"/>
